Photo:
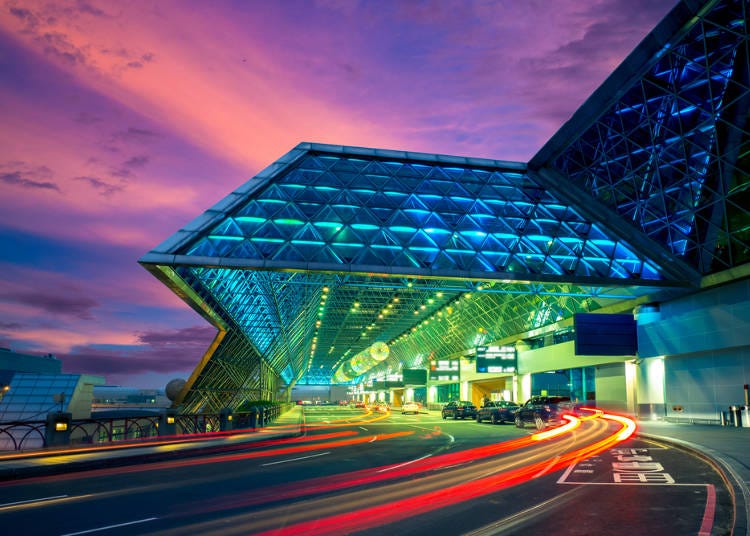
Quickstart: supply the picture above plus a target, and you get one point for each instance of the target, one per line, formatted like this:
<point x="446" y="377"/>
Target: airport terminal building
<point x="613" y="266"/>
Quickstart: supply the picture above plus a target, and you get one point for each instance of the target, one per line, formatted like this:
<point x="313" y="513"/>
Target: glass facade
<point x="32" y="396"/>
<point x="669" y="152"/>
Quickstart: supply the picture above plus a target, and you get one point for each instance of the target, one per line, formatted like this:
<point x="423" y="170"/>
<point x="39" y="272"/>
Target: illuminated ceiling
<point x="333" y="248"/>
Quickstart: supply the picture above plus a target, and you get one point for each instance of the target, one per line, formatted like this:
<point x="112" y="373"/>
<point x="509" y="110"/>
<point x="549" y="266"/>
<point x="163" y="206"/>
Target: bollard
<point x="57" y="432"/>
<point x="225" y="419"/>
<point x="723" y="418"/>
<point x="261" y="416"/>
<point x="167" y="422"/>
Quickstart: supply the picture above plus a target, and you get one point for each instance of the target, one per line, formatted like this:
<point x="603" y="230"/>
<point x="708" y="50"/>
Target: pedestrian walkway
<point x="728" y="448"/>
<point x="55" y="461"/>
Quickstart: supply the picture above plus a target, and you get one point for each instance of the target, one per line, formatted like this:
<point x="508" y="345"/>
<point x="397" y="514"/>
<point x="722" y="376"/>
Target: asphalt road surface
<point x="356" y="472"/>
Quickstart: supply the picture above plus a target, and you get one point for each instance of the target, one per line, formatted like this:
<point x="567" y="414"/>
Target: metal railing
<point x="29" y="435"/>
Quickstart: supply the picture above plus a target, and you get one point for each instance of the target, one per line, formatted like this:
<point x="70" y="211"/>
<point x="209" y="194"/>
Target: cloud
<point x="36" y="178"/>
<point x="57" y="45"/>
<point x="136" y="161"/>
<point x="58" y="301"/>
<point x="137" y="135"/>
<point x="170" y="351"/>
<point x="87" y="118"/>
<point x="194" y="337"/>
<point x="25" y="15"/>
<point x="85" y="7"/>
<point x="104" y="188"/>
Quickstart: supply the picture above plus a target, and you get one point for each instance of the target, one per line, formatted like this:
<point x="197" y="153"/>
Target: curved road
<point x="354" y="472"/>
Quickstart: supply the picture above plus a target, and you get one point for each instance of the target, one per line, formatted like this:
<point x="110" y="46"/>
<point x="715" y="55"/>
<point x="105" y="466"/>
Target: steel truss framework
<point x="333" y="248"/>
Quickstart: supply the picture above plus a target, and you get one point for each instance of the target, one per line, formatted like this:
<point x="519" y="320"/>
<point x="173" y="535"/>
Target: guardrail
<point x="28" y="435"/>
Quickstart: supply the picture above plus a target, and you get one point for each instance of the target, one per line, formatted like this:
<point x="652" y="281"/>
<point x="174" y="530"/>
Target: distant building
<point x="108" y="397"/>
<point x="18" y="362"/>
<point x="33" y="386"/>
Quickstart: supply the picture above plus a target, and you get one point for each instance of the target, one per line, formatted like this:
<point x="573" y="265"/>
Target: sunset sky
<point x="122" y="121"/>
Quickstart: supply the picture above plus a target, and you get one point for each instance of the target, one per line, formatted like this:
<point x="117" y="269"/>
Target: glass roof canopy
<point x="333" y="248"/>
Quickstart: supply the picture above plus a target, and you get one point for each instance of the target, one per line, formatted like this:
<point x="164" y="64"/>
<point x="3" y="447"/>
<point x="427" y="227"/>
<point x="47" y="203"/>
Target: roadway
<point x="354" y="472"/>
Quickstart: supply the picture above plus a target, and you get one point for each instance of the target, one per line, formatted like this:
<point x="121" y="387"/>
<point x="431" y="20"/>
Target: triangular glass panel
<point x="498" y="259"/>
<point x="227" y="228"/>
<point x="308" y="233"/>
<point x="254" y="210"/>
<point x="345" y="251"/>
<point x="405" y="259"/>
<point x="204" y="248"/>
<point x="414" y="202"/>
<point x="245" y="251"/>
<point x="292" y="253"/>
<point x="326" y="255"/>
<point x="423" y="255"/>
<point x="375" y="167"/>
<point x="312" y="162"/>
<point x="328" y="179"/>
<point x="310" y="211"/>
<point x="347" y="213"/>
<point x="375" y="257"/>
<point x="421" y="240"/>
<point x="428" y="189"/>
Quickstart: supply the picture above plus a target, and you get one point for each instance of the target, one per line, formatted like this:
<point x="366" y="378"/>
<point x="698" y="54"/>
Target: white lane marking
<point x="405" y="463"/>
<point x="30" y="501"/>
<point x="111" y="526"/>
<point x="295" y="459"/>
<point x="373" y="439"/>
<point x="363" y="428"/>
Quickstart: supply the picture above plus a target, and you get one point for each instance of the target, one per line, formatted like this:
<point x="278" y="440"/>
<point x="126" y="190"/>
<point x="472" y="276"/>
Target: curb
<point x="740" y="490"/>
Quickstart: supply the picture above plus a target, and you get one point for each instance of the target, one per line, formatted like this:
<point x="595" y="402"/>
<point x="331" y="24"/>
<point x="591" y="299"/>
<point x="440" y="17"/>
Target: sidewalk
<point x="45" y="462"/>
<point x="727" y="447"/>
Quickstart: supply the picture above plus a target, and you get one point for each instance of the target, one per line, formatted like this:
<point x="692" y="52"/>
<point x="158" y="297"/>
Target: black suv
<point x="543" y="411"/>
<point x="459" y="410"/>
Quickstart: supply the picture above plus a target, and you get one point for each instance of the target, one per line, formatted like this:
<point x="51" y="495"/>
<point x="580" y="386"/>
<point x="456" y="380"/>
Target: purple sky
<point x="122" y="121"/>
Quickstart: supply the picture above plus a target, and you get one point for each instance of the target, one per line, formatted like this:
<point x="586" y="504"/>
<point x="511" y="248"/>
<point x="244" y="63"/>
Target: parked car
<point x="409" y="407"/>
<point x="500" y="411"/>
<point x="543" y="411"/>
<point x="459" y="410"/>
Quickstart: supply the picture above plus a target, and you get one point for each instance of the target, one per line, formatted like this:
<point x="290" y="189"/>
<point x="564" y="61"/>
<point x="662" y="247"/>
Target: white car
<point x="410" y="407"/>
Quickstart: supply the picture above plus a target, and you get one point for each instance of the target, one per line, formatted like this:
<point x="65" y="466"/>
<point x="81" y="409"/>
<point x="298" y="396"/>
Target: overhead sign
<point x="605" y="334"/>
<point x="385" y="385"/>
<point x="445" y="370"/>
<point x="496" y="359"/>
<point x="414" y="376"/>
